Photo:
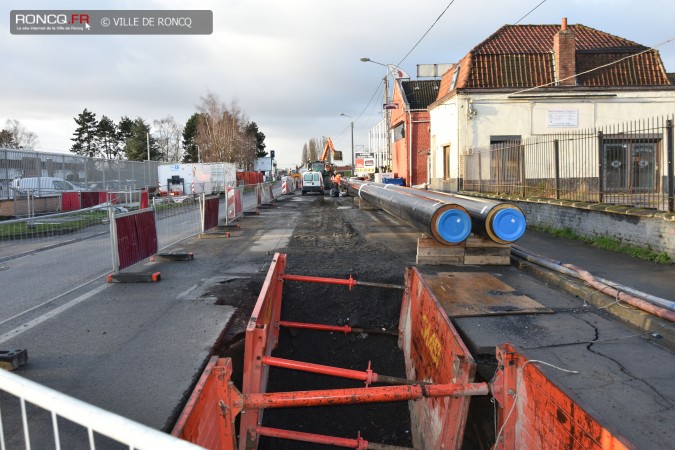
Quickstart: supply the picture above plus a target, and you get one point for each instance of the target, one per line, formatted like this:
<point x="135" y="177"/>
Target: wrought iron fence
<point x="629" y="164"/>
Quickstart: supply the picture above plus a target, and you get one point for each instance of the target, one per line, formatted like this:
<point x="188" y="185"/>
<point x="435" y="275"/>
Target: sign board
<point x="263" y="164"/>
<point x="364" y="163"/>
<point x="562" y="118"/>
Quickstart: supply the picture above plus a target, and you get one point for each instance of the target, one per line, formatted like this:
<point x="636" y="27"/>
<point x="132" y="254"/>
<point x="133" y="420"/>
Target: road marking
<point x="53" y="313"/>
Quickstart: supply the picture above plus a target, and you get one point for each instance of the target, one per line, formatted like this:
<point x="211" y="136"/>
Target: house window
<point x="399" y="132"/>
<point x="446" y="162"/>
<point x="505" y="159"/>
<point x="630" y="164"/>
<point x="454" y="78"/>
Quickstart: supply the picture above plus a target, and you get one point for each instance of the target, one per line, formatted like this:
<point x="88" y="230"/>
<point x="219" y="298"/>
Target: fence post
<point x="671" y="157"/>
<point x="113" y="238"/>
<point x="480" y="175"/>
<point x="601" y="168"/>
<point x="556" y="157"/>
<point x="523" y="181"/>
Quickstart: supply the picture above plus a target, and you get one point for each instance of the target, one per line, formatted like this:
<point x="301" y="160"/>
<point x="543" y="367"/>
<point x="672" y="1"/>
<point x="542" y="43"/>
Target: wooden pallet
<point x="475" y="250"/>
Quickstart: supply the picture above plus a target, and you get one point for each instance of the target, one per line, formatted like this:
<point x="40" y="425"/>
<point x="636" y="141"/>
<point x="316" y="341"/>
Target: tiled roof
<point x="539" y="39"/>
<point x="671" y="77"/>
<point x="521" y="56"/>
<point x="420" y="93"/>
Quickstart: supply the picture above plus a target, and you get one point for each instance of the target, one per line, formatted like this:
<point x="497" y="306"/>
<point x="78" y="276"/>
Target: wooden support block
<point x="431" y="252"/>
<point x="498" y="255"/>
<point x="364" y="205"/>
<point x="478" y="241"/>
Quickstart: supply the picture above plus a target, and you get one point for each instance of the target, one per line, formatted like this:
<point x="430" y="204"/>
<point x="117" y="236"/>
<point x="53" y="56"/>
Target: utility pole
<point x="386" y="119"/>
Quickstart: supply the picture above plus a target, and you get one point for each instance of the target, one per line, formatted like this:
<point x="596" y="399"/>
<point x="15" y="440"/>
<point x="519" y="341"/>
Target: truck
<point x="324" y="164"/>
<point x="195" y="178"/>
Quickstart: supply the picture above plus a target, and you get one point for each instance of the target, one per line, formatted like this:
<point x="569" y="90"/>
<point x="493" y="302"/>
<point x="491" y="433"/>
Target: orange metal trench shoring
<point x="528" y="403"/>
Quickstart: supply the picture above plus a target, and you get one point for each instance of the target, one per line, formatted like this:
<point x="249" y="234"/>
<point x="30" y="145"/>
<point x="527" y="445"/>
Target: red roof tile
<point x="521" y="56"/>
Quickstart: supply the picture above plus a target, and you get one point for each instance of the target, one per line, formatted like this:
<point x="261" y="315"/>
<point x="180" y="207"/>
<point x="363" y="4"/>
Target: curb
<point x="636" y="318"/>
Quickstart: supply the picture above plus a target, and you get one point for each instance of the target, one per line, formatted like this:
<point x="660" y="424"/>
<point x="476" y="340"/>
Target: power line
<point x="426" y="32"/>
<point x="530" y="12"/>
<point x="596" y="68"/>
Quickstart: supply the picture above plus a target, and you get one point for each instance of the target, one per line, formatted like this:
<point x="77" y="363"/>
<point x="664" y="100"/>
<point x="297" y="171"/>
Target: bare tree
<point x="222" y="133"/>
<point x="305" y="153"/>
<point x="168" y="134"/>
<point x="313" y="149"/>
<point x="22" y="137"/>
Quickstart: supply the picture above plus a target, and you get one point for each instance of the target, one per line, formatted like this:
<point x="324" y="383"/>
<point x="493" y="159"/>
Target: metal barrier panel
<point x="210" y="214"/>
<point x="177" y="218"/>
<point x="136" y="237"/>
<point x="434" y="352"/>
<point x="70" y="201"/>
<point x="203" y="420"/>
<point x="262" y="336"/>
<point x="536" y="414"/>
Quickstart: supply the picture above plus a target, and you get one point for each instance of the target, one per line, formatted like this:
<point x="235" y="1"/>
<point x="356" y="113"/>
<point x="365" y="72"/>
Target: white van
<point x="41" y="186"/>
<point x="312" y="182"/>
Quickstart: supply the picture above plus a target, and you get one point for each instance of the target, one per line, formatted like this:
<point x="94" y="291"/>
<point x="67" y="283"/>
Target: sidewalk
<point x="646" y="276"/>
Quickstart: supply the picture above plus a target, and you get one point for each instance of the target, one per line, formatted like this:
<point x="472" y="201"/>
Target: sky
<point x="292" y="66"/>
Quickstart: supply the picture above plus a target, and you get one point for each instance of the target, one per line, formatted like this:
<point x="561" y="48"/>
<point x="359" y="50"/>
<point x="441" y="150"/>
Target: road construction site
<point x="139" y="350"/>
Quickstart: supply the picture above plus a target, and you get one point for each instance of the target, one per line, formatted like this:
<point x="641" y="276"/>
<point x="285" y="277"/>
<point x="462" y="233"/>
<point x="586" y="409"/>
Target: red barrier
<point x="211" y="212"/>
<point x="136" y="237"/>
<point x="203" y="421"/>
<point x="534" y="413"/>
<point x="262" y="337"/>
<point x="434" y="352"/>
<point x="144" y="200"/>
<point x="70" y="201"/>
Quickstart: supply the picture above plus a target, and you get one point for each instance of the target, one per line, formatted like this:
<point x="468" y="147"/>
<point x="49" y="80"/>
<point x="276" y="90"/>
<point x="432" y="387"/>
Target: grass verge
<point x="608" y="243"/>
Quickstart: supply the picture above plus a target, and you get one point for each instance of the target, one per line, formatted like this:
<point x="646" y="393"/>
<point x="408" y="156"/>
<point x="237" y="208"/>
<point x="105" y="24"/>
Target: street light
<point x="386" y="110"/>
<point x="352" y="124"/>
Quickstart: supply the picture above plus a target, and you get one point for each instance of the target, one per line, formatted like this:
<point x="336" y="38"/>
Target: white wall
<point x="496" y="114"/>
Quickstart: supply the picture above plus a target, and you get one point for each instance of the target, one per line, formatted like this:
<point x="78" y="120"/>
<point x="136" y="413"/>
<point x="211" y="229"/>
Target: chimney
<point x="564" y="51"/>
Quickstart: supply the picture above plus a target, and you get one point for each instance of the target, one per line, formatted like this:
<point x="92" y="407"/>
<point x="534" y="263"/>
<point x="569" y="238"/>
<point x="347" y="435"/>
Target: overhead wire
<point x="426" y="32"/>
<point x="530" y="12"/>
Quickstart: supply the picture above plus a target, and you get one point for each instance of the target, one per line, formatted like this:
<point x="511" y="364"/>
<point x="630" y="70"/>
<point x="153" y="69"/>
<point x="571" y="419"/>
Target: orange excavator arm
<point x="326" y="148"/>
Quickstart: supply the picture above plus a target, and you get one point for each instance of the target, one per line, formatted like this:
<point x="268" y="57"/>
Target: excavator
<point x="324" y="164"/>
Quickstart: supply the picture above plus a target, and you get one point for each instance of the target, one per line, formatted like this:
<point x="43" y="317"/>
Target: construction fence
<point x="629" y="164"/>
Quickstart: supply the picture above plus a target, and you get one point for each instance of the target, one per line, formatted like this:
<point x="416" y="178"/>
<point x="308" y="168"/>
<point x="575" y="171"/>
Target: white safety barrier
<point x="24" y="426"/>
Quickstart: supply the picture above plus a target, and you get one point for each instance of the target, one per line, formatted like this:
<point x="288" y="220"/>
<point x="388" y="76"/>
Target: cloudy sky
<point x="293" y="66"/>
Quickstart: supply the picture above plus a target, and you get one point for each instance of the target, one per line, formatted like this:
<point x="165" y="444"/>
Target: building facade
<point x="526" y="81"/>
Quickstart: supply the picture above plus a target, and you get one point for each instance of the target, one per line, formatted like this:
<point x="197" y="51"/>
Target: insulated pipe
<point x="654" y="305"/>
<point x="449" y="224"/>
<point x="502" y="222"/>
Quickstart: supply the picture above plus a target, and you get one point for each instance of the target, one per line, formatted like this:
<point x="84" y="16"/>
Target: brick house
<point x="493" y="94"/>
<point x="410" y="143"/>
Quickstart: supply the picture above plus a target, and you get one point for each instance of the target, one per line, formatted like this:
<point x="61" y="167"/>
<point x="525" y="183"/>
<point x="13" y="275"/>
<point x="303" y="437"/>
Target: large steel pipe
<point x="502" y="222"/>
<point x="448" y="223"/>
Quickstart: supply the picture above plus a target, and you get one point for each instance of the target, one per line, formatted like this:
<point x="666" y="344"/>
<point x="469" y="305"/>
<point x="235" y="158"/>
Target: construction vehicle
<point x="324" y="163"/>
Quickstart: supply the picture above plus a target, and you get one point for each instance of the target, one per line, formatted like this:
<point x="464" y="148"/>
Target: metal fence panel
<point x="35" y="416"/>
<point x="625" y="164"/>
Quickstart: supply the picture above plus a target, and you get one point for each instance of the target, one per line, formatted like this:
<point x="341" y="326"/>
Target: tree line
<point x="15" y="135"/>
<point x="312" y="149"/>
<point x="215" y="133"/>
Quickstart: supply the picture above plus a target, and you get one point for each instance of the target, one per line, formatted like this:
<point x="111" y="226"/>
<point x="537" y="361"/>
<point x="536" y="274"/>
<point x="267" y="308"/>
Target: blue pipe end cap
<point x="509" y="224"/>
<point x="454" y="226"/>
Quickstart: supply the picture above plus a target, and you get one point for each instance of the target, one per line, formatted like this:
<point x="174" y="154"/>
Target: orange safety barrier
<point x="534" y="413"/>
<point x="206" y="420"/>
<point x="262" y="336"/>
<point x="434" y="352"/>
